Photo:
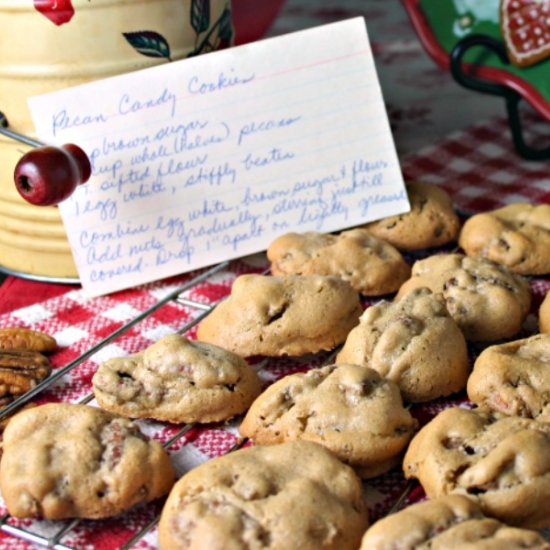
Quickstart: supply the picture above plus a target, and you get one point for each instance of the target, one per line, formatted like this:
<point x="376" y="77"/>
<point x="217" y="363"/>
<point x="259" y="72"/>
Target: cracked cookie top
<point x="486" y="299"/>
<point x="75" y="461"/>
<point x="502" y="461"/>
<point x="414" y="343"/>
<point x="514" y="378"/>
<point x="453" y="522"/>
<point x="517" y="236"/>
<point x="372" y="266"/>
<point x="431" y="221"/>
<point x="283" y="315"/>
<point x="349" y="409"/>
<point x="246" y="499"/>
<point x="177" y="380"/>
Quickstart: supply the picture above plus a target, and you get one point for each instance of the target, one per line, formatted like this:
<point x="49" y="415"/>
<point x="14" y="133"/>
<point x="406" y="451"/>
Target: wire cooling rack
<point x="139" y="525"/>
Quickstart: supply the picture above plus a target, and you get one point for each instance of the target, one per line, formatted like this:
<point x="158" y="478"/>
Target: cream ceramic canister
<point x="52" y="44"/>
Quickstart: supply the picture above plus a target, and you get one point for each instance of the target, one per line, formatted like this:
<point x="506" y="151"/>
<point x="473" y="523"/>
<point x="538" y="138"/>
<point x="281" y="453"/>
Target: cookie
<point x="524" y="27"/>
<point x="517" y="236"/>
<point x="372" y="266"/>
<point x="544" y="315"/>
<point x="486" y="300"/>
<point x="514" y="378"/>
<point x="447" y="523"/>
<point x="502" y="461"/>
<point x="349" y="409"/>
<point x="431" y="221"/>
<point x="414" y="343"/>
<point x="177" y="380"/>
<point x="75" y="461"/>
<point x="295" y="495"/>
<point x="282" y="315"/>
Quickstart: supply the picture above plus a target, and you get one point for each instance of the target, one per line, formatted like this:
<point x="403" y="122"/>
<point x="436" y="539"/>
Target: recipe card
<point x="212" y="157"/>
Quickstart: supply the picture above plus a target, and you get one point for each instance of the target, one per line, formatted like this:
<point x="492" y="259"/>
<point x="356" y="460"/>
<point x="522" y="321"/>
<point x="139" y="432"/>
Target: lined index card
<point x="212" y="157"/>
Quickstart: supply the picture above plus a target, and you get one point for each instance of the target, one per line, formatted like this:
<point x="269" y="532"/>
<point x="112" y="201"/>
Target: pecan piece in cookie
<point x="21" y="370"/>
<point x="24" y="338"/>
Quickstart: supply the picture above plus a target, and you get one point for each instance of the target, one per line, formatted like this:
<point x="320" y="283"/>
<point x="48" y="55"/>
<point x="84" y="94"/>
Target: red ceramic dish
<point x="253" y="18"/>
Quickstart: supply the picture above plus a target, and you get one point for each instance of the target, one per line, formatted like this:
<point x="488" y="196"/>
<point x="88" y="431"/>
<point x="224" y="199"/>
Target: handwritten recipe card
<point x="212" y="157"/>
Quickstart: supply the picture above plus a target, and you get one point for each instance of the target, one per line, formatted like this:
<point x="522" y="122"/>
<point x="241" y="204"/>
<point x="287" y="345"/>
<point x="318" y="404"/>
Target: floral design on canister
<point x="57" y="11"/>
<point x="218" y="35"/>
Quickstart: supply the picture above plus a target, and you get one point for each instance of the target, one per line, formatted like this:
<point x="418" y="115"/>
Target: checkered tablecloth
<point x="438" y="141"/>
<point x="477" y="166"/>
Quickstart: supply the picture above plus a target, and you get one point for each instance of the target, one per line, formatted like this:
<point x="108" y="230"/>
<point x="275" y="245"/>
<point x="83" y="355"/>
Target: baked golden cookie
<point x="544" y="315"/>
<point x="524" y="28"/>
<point x="372" y="266"/>
<point x="349" y="409"/>
<point x="414" y="343"/>
<point x="430" y="222"/>
<point x="454" y="522"/>
<point x="487" y="300"/>
<point x="76" y="461"/>
<point x="283" y="315"/>
<point x="517" y="236"/>
<point x="177" y="380"/>
<point x="295" y="495"/>
<point x="514" y="378"/>
<point x="503" y="461"/>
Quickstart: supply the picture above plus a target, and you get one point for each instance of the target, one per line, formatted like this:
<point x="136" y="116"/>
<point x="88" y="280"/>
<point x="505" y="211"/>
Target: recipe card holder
<point x="512" y="99"/>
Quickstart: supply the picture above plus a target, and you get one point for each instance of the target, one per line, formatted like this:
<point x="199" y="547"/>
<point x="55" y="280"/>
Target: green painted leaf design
<point x="200" y="15"/>
<point x="149" y="43"/>
<point x="225" y="31"/>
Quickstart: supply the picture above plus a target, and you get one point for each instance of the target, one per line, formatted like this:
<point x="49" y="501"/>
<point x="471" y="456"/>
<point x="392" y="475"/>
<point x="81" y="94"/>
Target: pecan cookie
<point x="414" y="343"/>
<point x="447" y="523"/>
<point x="177" y="380"/>
<point x="295" y="495"/>
<point x="349" y="409"/>
<point x="283" y="315"/>
<point x="517" y="236"/>
<point x="431" y="221"/>
<point x="487" y="300"/>
<point x="514" y="378"/>
<point x="76" y="461"/>
<point x="503" y="461"/>
<point x="372" y="266"/>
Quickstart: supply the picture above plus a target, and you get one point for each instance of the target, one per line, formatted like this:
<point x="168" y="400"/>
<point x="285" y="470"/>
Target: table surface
<point x="444" y="135"/>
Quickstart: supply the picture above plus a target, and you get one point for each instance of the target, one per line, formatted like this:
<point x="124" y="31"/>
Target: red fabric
<point x="16" y="293"/>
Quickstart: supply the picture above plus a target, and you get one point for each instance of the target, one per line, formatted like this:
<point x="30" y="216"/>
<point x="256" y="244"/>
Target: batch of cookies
<point x="313" y="437"/>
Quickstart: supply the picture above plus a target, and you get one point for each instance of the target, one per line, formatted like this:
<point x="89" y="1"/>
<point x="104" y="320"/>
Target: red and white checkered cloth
<point x="477" y="166"/>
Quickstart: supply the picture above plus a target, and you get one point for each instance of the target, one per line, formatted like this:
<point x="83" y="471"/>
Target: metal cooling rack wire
<point x="55" y="540"/>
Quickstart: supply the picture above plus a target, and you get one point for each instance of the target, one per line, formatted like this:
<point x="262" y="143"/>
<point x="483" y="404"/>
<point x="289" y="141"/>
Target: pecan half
<point x="24" y="338"/>
<point x="21" y="370"/>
